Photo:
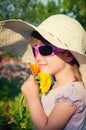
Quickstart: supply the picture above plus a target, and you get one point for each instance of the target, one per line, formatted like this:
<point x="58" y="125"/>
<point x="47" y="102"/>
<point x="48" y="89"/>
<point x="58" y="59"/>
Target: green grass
<point x="14" y="114"/>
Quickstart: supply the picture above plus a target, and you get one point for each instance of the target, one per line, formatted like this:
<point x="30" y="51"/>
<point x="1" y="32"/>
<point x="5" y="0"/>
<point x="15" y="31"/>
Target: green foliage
<point x="14" y="113"/>
<point x="76" y="9"/>
<point x="33" y="11"/>
<point x="7" y="54"/>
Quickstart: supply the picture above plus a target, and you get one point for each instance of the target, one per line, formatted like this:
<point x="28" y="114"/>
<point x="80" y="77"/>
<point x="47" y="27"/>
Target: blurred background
<point x="14" y="114"/>
<point x="35" y="11"/>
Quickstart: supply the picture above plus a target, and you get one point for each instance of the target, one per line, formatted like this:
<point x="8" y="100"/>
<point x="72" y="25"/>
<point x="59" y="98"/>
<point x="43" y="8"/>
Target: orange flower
<point x="34" y="68"/>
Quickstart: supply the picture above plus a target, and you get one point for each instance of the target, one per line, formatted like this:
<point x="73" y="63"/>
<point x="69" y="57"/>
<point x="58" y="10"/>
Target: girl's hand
<point x="30" y="88"/>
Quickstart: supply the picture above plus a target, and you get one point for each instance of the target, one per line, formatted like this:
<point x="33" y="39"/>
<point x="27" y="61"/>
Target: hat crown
<point x="67" y="30"/>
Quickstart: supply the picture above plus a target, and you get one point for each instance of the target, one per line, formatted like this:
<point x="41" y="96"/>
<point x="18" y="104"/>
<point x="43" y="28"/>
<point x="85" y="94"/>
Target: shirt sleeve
<point x="72" y="97"/>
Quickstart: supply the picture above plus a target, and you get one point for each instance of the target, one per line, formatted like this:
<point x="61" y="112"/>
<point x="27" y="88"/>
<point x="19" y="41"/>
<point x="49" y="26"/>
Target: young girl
<point x="58" y="46"/>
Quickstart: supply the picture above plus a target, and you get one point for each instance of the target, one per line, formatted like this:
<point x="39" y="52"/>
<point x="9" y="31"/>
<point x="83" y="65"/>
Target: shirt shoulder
<point x="74" y="93"/>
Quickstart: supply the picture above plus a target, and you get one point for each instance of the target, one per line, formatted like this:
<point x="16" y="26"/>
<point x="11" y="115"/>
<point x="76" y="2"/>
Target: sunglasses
<point x="46" y="50"/>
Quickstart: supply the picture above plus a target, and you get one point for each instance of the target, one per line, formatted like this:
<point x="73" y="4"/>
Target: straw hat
<point x="60" y="30"/>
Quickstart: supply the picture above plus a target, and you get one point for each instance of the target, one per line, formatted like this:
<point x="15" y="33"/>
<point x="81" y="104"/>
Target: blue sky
<point x="45" y="1"/>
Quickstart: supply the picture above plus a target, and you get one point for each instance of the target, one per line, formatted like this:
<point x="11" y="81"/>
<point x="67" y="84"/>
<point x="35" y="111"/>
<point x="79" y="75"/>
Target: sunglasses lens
<point x="45" y="50"/>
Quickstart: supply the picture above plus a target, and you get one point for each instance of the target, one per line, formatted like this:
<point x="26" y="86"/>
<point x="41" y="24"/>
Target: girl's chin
<point x="45" y="71"/>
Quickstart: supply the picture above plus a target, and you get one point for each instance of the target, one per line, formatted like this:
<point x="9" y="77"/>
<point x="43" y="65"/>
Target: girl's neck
<point x="59" y="84"/>
<point x="64" y="77"/>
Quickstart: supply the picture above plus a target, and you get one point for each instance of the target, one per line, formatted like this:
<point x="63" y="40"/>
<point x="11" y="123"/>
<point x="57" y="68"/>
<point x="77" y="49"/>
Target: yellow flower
<point x="43" y="79"/>
<point x="45" y="82"/>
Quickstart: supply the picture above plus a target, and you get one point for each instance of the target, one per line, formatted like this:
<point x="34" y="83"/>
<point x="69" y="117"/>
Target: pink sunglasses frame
<point x="54" y="50"/>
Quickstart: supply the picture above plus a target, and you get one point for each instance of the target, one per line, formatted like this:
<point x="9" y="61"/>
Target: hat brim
<point x="14" y="35"/>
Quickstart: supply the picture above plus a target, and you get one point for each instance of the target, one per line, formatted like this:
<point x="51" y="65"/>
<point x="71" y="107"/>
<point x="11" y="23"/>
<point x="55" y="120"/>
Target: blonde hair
<point x="33" y="41"/>
<point x="76" y="69"/>
<point x="82" y="70"/>
<point x="79" y="72"/>
<point x="35" y="38"/>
